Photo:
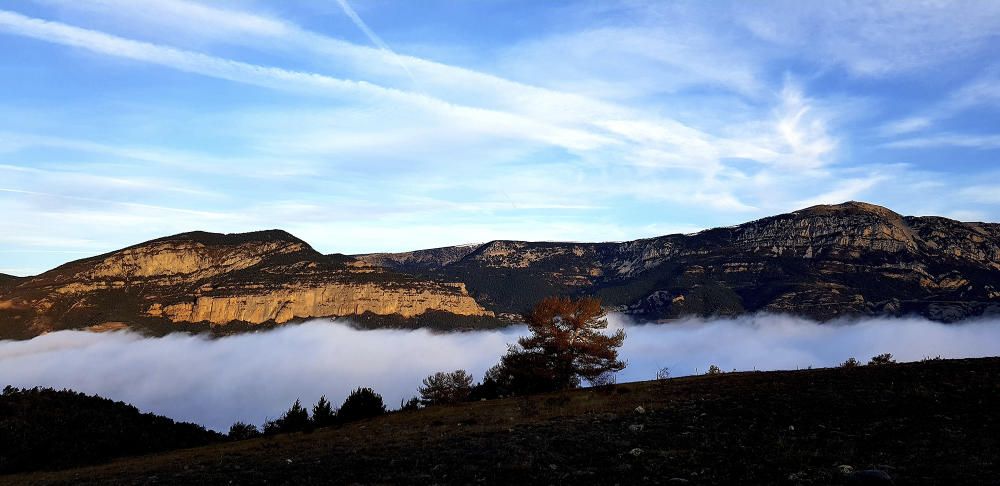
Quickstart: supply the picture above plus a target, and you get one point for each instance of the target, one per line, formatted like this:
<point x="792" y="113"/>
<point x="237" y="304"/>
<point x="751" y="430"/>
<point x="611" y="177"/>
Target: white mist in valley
<point x="251" y="377"/>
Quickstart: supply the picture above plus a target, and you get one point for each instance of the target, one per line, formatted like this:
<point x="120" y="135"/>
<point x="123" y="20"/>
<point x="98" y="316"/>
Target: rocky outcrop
<point x="419" y="260"/>
<point x="215" y="280"/>
<point x="283" y="305"/>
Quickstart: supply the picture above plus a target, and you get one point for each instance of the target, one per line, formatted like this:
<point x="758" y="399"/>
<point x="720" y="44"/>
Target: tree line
<point x="565" y="347"/>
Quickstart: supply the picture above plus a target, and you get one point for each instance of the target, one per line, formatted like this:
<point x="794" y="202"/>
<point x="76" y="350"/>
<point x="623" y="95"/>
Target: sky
<point x="377" y="125"/>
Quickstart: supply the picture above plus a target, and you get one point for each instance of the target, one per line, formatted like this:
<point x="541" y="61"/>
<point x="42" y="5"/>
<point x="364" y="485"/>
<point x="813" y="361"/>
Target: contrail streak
<point x="372" y="36"/>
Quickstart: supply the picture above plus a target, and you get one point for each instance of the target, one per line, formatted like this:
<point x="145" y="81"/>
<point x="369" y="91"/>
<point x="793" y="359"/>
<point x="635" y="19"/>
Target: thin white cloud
<point x="981" y="142"/>
<point x="192" y="212"/>
<point x="983" y="194"/>
<point x="283" y="79"/>
<point x="849" y="190"/>
<point x="876" y="40"/>
<point x="905" y="125"/>
<point x="372" y="36"/>
<point x="981" y="92"/>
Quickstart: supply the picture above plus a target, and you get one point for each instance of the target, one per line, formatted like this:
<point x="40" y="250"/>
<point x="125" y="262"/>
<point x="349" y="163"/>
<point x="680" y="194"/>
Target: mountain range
<point x="824" y="262"/>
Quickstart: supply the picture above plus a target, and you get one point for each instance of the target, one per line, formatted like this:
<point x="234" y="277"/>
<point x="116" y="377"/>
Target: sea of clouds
<point x="251" y="377"/>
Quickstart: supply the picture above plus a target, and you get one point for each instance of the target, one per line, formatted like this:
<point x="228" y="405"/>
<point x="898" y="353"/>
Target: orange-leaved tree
<point x="566" y="339"/>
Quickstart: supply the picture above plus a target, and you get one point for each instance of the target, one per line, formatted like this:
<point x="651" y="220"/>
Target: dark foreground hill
<point x="933" y="422"/>
<point x="45" y="428"/>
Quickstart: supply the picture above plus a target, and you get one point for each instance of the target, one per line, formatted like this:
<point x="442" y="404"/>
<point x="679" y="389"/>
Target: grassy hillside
<point x="933" y="422"/>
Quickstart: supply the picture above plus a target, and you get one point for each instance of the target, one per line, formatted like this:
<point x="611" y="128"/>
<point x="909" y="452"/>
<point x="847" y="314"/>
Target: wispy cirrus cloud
<point x="978" y="93"/>
<point x="579" y="125"/>
<point x="982" y="142"/>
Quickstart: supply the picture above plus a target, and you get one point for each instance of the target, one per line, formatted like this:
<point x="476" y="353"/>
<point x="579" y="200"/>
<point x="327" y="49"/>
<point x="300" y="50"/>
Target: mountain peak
<point x="851" y="207"/>
<point x="212" y="239"/>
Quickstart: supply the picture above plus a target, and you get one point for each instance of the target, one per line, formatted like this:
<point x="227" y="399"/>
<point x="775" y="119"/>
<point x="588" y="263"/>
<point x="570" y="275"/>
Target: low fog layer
<point x="251" y="377"/>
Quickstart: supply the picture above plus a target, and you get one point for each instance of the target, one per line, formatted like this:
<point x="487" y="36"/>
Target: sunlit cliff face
<point x="251" y="377"/>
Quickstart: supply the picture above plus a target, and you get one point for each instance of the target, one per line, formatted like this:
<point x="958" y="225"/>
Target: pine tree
<point x="323" y="414"/>
<point x="296" y="419"/>
<point x="441" y="388"/>
<point x="567" y="343"/>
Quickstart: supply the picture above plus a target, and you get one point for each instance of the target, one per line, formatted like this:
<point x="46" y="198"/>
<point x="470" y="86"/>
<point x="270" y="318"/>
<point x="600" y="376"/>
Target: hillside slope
<point x="919" y="423"/>
<point x="45" y="428"/>
<point x="240" y="280"/>
<point x="8" y="280"/>
<point x="822" y="262"/>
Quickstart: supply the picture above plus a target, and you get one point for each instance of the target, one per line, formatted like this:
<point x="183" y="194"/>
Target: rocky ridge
<point x="824" y="262"/>
<point x="267" y="277"/>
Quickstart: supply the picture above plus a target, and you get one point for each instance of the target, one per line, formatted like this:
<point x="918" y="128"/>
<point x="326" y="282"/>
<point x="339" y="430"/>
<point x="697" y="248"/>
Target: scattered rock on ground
<point x="870" y="476"/>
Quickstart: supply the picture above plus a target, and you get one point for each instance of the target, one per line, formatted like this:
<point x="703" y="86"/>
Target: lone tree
<point x="565" y="345"/>
<point x="441" y="388"/>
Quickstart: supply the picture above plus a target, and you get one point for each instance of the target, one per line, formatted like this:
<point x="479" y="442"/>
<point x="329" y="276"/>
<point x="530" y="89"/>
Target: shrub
<point x="522" y="373"/>
<point x="243" y="431"/>
<point x="714" y="370"/>
<point x="850" y="363"/>
<point x="663" y="374"/>
<point x="409" y="405"/>
<point x="295" y="419"/>
<point x="882" y="359"/>
<point x="271" y="427"/>
<point x="607" y="379"/>
<point x="361" y="404"/>
<point x="495" y="384"/>
<point x="441" y="388"/>
<point x="323" y="413"/>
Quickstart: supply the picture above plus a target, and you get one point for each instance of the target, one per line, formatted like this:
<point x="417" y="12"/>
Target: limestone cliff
<point x="333" y="299"/>
<point x="211" y="279"/>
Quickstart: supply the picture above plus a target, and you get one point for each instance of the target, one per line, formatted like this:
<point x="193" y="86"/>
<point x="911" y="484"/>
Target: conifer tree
<point x="361" y="404"/>
<point x="323" y="414"/>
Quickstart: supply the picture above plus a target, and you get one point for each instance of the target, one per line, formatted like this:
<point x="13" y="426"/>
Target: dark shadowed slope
<point x="48" y="429"/>
<point x="921" y="423"/>
<point x="8" y="280"/>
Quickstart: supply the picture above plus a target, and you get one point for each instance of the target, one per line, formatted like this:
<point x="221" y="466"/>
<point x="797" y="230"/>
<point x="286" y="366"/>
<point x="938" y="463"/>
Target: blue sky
<point x="375" y="125"/>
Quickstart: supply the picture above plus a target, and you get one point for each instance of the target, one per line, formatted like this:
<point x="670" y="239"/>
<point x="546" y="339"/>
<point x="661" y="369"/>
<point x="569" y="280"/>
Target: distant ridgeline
<point x="822" y="262"/>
